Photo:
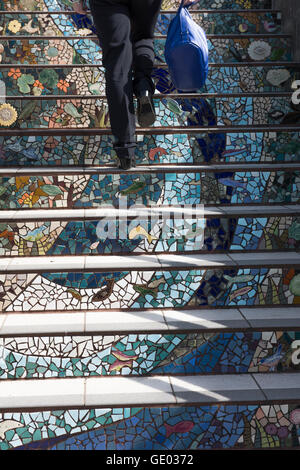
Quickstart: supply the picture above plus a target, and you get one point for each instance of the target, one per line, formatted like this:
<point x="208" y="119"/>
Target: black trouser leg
<point x="113" y="24"/>
<point x="125" y="29"/>
<point x="144" y="14"/>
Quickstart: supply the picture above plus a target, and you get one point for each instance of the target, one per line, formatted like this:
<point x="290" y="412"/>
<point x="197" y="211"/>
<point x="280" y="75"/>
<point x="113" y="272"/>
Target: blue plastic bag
<point x="186" y="51"/>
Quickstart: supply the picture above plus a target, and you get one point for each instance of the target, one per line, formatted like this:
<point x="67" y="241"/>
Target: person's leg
<point x="144" y="14"/>
<point x="113" y="25"/>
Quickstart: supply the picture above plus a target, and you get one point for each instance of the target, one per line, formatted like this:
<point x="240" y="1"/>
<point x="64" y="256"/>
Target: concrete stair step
<point x="171" y="130"/>
<point x="159" y="321"/>
<point x="147" y="262"/>
<point x="223" y="211"/>
<point x="154" y="391"/>
<point x="168" y="168"/>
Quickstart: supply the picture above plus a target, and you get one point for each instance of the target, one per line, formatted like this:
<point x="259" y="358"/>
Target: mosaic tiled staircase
<point x="148" y="342"/>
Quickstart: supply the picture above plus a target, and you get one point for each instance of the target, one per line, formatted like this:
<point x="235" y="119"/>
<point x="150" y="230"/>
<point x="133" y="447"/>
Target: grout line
<point x="259" y="387"/>
<point x="244" y="318"/>
<point x="236" y="263"/>
<point x="172" y="389"/>
<point x="165" y="320"/>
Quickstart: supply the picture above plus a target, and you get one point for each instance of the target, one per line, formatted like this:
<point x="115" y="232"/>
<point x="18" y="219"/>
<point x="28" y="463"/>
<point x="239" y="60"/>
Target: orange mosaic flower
<point x="26" y="199"/>
<point x="14" y="73"/>
<point x="63" y="85"/>
<point x="38" y="84"/>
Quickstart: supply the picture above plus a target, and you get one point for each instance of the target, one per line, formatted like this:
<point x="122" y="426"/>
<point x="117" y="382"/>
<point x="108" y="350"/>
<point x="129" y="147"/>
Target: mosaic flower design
<point x="259" y="50"/>
<point x="8" y="114"/>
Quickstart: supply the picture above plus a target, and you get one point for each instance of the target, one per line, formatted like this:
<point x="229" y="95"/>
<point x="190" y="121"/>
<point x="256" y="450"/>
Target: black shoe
<point x="126" y="163"/>
<point x="145" y="109"/>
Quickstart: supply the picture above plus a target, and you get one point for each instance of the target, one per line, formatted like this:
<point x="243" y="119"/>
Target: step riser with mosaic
<point x="39" y="357"/>
<point x="37" y="81"/>
<point x="64" y="50"/>
<point x="86" y="190"/>
<point x="207" y="287"/>
<point x="48" y="151"/>
<point x="238" y="426"/>
<point x="213" y="22"/>
<point x="160" y="235"/>
<point x="90" y="113"/>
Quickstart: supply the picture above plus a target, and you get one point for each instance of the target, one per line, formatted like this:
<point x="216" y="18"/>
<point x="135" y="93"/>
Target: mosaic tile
<point x="139" y="290"/>
<point x="184" y="148"/>
<point x="53" y="51"/>
<point x="85" y="80"/>
<point x="149" y="235"/>
<point x="140" y="354"/>
<point x="246" y="22"/>
<point x="210" y="427"/>
<point x="77" y="191"/>
<point x="54" y="5"/>
<point x="90" y="113"/>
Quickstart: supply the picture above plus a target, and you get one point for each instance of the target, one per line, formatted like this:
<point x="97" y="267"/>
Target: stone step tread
<point x="159" y="321"/>
<point x="162" y="168"/>
<point x="255" y="210"/>
<point x="289" y="64"/>
<point x="157" y="130"/>
<point x="66" y="37"/>
<point x="262" y="94"/>
<point x="109" y="392"/>
<point x="147" y="262"/>
<point x="191" y="10"/>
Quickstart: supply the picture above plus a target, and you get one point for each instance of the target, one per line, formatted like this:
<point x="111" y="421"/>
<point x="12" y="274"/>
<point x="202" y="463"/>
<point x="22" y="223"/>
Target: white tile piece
<point x="45" y="264"/>
<point x="287" y="380"/>
<point x="194" y="261"/>
<point x="125" y="321"/>
<point x="4" y="262"/>
<point x="258" y="211"/>
<point x="272" y="258"/>
<point x="218" y="319"/>
<point x="127" y="391"/>
<point x="284" y="316"/>
<point x="44" y="393"/>
<point x="132" y="263"/>
<point x="43" y="323"/>
<point x="284" y="386"/>
<point x="216" y="389"/>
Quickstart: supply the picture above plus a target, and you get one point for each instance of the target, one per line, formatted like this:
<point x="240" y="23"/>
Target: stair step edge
<point x="285" y="63"/>
<point x="67" y="393"/>
<point x="161" y="168"/>
<point x="162" y="321"/>
<point x="147" y="262"/>
<point x="112" y="212"/>
<point x="37" y="131"/>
